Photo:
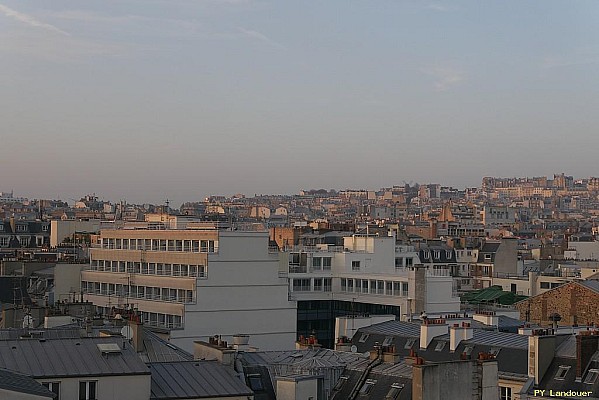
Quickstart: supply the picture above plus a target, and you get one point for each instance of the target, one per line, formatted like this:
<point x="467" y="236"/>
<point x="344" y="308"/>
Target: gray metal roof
<point x="394" y="328"/>
<point x="69" y="357"/>
<point x="156" y="349"/>
<point x="493" y="338"/>
<point x="20" y="383"/>
<point x="194" y="379"/>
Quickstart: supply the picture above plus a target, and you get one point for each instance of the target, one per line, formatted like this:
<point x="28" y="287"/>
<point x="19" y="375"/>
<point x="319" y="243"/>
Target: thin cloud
<point x="444" y="77"/>
<point x="29" y="20"/>
<point x="436" y="7"/>
<point x="261" y="37"/>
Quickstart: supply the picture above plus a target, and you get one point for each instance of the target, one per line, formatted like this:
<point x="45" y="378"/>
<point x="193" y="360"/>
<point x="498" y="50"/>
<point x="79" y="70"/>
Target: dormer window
<point x="487" y="256"/>
<point x="591" y="377"/>
<point x="409" y="343"/>
<point x="437" y="254"/>
<point x="562" y="372"/>
<point x="21" y="228"/>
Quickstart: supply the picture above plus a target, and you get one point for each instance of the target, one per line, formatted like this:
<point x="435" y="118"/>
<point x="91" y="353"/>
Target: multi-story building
<point x="367" y="275"/>
<point x="194" y="284"/>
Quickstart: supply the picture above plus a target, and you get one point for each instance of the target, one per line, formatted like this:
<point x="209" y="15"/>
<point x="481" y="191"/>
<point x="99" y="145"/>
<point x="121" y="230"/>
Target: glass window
<point x="326" y="263"/>
<point x="394" y="391"/>
<point x="505" y="393"/>
<point x="317" y="263"/>
<point x="54" y="387"/>
<point x="355" y="265"/>
<point x="367" y="386"/>
<point x="87" y="390"/>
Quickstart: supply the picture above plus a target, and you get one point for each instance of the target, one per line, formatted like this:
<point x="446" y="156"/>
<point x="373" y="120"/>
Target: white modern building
<point x="367" y="275"/>
<point x="194" y="284"/>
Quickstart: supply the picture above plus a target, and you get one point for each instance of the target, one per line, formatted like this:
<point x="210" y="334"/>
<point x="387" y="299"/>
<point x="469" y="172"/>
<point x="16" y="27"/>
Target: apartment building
<point x="194" y="284"/>
<point x="367" y="275"/>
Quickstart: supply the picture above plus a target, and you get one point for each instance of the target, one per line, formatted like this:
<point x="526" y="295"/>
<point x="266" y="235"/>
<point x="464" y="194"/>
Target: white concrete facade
<point x="195" y="283"/>
<point x="368" y="269"/>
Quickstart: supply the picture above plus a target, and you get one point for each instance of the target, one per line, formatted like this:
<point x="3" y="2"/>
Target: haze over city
<point x="148" y="100"/>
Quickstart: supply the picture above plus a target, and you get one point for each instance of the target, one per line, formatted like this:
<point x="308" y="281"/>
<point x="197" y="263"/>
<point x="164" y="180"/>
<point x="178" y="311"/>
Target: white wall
<point x="135" y="387"/>
<point x="243" y="294"/>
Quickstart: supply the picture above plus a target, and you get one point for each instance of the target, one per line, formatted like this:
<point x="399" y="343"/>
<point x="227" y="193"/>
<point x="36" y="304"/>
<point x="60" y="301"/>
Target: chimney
<point x="586" y="346"/>
<point x="458" y="333"/>
<point x="430" y="329"/>
<point x="137" y="335"/>
<point x="541" y="350"/>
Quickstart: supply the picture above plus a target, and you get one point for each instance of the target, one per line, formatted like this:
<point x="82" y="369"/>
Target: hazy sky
<point x="145" y="100"/>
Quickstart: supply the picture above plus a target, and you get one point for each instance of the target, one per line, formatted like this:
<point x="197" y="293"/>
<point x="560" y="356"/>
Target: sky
<point x="144" y="100"/>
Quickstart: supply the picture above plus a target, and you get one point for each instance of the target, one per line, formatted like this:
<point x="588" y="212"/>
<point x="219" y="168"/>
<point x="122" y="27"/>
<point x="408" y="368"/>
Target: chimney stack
<point x="458" y="333"/>
<point x="430" y="329"/>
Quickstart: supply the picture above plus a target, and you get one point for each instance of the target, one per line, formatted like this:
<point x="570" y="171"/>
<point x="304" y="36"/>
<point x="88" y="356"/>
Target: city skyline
<point x="146" y="101"/>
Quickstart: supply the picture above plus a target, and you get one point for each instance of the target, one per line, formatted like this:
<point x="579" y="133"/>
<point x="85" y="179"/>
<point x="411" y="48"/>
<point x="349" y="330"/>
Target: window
<point x="326" y="263"/>
<point x="255" y="382"/>
<point x="591" y="377"/>
<point x="54" y="387"/>
<point x="440" y="346"/>
<point x="343" y="284"/>
<point x="364" y="337"/>
<point x="355" y="265"/>
<point x="562" y="372"/>
<point x="468" y="350"/>
<point x="388" y="340"/>
<point x="341" y="382"/>
<point x="409" y="262"/>
<point x="505" y="393"/>
<point x="544" y="285"/>
<point x="394" y="391"/>
<point x="317" y="263"/>
<point x="494" y="351"/>
<point x="87" y="390"/>
<point x="436" y="254"/>
<point x="398" y="262"/>
<point x="328" y="283"/>
<point x="404" y="288"/>
<point x="301" y="285"/>
<point x="367" y="386"/>
<point x="409" y="343"/>
<point x="318" y="284"/>
<point x="487" y="256"/>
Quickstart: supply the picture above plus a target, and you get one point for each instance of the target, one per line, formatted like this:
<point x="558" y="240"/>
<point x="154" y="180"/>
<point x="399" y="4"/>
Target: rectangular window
<point x="87" y="390"/>
<point x="317" y="263"/>
<point x="398" y="262"/>
<point x="195" y="246"/>
<point x="350" y="285"/>
<point x="326" y="263"/>
<point x="328" y="282"/>
<point x="505" y="393"/>
<point x="343" y="284"/>
<point x="404" y="288"/>
<point x="562" y="372"/>
<point x="187" y="245"/>
<point x="409" y="262"/>
<point x="355" y="265"/>
<point x="544" y="285"/>
<point x="204" y="246"/>
<point x="54" y="387"/>
<point x="318" y="284"/>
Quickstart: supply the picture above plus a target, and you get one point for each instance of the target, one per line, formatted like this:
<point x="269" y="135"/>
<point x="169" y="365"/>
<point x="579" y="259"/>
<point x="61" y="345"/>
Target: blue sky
<point x="151" y="99"/>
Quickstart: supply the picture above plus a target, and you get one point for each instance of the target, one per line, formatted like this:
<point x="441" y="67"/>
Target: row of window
<point x="393" y="393"/>
<point x="159" y="320"/>
<point x="145" y="268"/>
<point x="190" y="246"/>
<point x="87" y="389"/>
<point x="24" y="241"/>
<point x="317" y="263"/>
<point x="389" y="288"/>
<point x="314" y="284"/>
<point x="403" y="262"/>
<point x="138" y="292"/>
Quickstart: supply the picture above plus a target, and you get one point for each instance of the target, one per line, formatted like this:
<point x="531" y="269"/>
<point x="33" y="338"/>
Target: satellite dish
<point x="127" y="332"/>
<point x="354" y="348"/>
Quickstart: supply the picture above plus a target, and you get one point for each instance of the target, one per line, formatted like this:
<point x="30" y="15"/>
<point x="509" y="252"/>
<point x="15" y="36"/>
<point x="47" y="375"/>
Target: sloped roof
<point x="47" y="358"/>
<point x="20" y="383"/>
<point x="193" y="380"/>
